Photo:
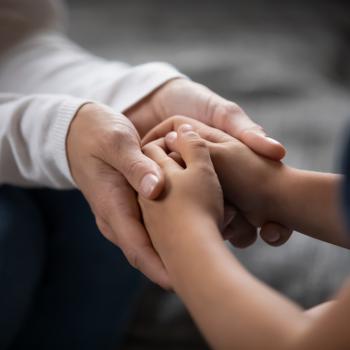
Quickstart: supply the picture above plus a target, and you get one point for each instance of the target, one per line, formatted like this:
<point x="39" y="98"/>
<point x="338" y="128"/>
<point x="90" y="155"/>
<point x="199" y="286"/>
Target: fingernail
<point x="148" y="184"/>
<point x="171" y="136"/>
<point x="185" y="128"/>
<point x="272" y="236"/>
<point x="273" y="141"/>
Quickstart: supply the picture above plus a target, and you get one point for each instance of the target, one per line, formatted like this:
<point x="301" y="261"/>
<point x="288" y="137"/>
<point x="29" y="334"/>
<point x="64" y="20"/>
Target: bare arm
<point x="230" y="306"/>
<point x="310" y="203"/>
<point x="235" y="310"/>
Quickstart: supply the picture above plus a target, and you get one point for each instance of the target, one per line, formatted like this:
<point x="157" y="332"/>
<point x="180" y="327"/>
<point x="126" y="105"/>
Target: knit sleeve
<point x="33" y="132"/>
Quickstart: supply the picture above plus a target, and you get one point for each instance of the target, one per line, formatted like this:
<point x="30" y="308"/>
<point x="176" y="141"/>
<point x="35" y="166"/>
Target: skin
<point x="231" y="307"/>
<point x="108" y="166"/>
<point x="272" y="232"/>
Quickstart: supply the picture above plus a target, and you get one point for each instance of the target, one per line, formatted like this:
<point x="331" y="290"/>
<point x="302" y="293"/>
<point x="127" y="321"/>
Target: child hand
<point x="192" y="192"/>
<point x="247" y="179"/>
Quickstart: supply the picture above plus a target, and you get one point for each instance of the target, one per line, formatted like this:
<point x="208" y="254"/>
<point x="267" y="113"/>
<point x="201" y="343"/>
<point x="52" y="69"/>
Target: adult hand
<point x="107" y="165"/>
<point x="190" y="99"/>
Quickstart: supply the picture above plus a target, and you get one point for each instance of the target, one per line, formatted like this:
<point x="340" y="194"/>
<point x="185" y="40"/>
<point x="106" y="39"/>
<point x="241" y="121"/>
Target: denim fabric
<point x="22" y="257"/>
<point x="62" y="285"/>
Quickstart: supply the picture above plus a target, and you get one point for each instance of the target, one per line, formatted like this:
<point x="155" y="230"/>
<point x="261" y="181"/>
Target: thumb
<point x="122" y="151"/>
<point x="275" y="234"/>
<point x="142" y="173"/>
<point x="191" y="146"/>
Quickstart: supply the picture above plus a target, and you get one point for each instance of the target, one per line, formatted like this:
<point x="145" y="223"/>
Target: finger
<point x="262" y="145"/>
<point x="172" y="124"/>
<point x="275" y="234"/>
<point x="164" y="128"/>
<point x="176" y="156"/>
<point x="143" y="174"/>
<point x="140" y="253"/>
<point x="120" y="214"/>
<point x="240" y="232"/>
<point x="229" y="117"/>
<point x="121" y="150"/>
<point x="171" y="141"/>
<point x="235" y="122"/>
<point x="191" y="147"/>
<point x="157" y="153"/>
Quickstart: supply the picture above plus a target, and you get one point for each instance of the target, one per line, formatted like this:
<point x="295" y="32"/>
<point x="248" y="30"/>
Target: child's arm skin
<point x="232" y="308"/>
<point x="309" y="202"/>
<point x="269" y="191"/>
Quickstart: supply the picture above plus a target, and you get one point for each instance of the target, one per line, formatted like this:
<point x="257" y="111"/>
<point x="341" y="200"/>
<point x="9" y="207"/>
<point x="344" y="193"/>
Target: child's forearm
<point x="233" y="309"/>
<point x="310" y="202"/>
<point x="230" y="306"/>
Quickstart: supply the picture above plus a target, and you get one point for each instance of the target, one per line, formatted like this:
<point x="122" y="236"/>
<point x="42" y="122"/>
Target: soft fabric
<point x="44" y="79"/>
<point x="63" y="285"/>
<point x="346" y="182"/>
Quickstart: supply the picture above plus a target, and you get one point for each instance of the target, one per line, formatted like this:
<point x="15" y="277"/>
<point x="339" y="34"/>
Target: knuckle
<point x="232" y="108"/>
<point x="102" y="207"/>
<point x="188" y="134"/>
<point x="135" y="166"/>
<point x="103" y="227"/>
<point x="163" y="163"/>
<point x="219" y="111"/>
<point x="253" y="129"/>
<point x="257" y="127"/>
<point x="178" y="119"/>
<point x="132" y="257"/>
<point x="107" y="140"/>
<point x="173" y="119"/>
<point x="205" y="169"/>
<point x="116" y="138"/>
<point x="147" y="149"/>
<point x="196" y="142"/>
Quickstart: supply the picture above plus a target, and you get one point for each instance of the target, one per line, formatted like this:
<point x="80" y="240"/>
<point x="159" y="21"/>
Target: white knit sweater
<point x="44" y="80"/>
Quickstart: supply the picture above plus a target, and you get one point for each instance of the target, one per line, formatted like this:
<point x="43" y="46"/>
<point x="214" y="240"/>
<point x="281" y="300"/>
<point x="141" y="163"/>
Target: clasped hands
<point x="203" y="167"/>
<point x="109" y="168"/>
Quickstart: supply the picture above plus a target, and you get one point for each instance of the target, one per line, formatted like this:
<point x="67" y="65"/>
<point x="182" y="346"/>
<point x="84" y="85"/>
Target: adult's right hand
<point x="106" y="162"/>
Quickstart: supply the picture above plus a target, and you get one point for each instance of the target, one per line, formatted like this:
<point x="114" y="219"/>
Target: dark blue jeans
<point x="62" y="285"/>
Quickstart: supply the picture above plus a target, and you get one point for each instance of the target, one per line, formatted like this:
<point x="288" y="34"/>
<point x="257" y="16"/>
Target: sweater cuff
<point x="141" y="81"/>
<point x="65" y="115"/>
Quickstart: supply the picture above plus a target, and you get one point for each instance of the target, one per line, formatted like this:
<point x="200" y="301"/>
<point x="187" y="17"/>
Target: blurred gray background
<point x="287" y="63"/>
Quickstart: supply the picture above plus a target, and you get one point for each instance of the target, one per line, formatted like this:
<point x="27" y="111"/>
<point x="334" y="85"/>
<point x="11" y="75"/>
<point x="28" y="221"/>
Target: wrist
<point x="249" y="181"/>
<point x="185" y="230"/>
<point x="186" y="236"/>
<point x="277" y="194"/>
<point x="74" y="133"/>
